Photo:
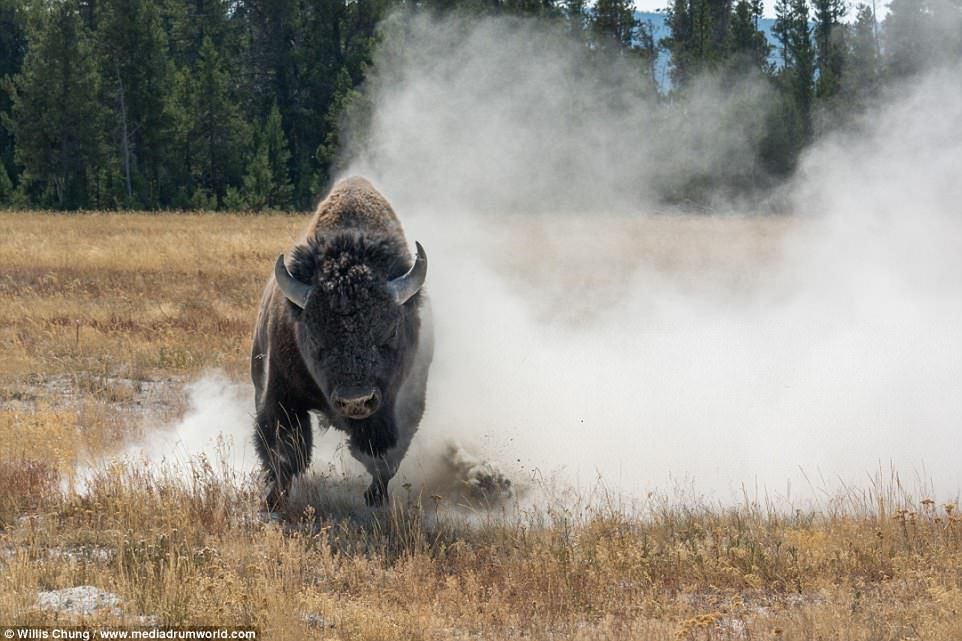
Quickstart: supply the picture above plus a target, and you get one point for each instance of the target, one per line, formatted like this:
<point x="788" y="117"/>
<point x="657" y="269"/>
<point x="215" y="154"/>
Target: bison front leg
<point x="381" y="474"/>
<point x="381" y="464"/>
<point x="371" y="441"/>
<point x="284" y="447"/>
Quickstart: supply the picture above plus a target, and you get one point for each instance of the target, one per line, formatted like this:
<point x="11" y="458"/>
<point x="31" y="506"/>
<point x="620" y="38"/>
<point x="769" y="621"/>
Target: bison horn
<point x="404" y="287"/>
<point x="295" y="291"/>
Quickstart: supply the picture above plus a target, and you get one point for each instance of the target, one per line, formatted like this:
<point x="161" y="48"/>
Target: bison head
<point x="354" y="302"/>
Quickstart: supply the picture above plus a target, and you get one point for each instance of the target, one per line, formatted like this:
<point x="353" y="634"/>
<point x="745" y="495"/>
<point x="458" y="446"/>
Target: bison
<point x="343" y="330"/>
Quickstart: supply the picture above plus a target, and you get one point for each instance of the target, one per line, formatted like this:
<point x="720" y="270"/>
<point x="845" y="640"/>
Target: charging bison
<point x="340" y="332"/>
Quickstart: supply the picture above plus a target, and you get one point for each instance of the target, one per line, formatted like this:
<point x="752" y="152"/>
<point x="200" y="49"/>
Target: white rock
<point x="83" y="599"/>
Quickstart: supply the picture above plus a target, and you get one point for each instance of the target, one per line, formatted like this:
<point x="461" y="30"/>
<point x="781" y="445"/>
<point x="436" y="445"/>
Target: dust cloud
<point x="588" y="338"/>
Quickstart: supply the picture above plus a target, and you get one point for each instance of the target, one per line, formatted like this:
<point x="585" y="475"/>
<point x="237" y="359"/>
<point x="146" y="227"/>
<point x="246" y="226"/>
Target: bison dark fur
<point x="343" y="330"/>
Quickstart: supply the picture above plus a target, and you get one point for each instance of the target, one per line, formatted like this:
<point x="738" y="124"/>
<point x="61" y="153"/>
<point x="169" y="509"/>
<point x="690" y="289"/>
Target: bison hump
<point x="354" y="203"/>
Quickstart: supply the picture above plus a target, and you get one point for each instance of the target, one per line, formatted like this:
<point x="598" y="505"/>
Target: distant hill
<point x="660" y="30"/>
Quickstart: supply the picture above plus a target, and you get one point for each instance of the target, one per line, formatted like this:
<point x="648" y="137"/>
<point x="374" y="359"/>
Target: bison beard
<point x="339" y="333"/>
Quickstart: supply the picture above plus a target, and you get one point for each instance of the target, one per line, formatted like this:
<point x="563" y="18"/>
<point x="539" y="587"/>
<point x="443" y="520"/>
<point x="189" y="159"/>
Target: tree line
<point x="236" y="104"/>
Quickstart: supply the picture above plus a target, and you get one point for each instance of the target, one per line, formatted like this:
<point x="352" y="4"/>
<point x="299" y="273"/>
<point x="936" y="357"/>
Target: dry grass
<point x="97" y="310"/>
<point x="138" y="295"/>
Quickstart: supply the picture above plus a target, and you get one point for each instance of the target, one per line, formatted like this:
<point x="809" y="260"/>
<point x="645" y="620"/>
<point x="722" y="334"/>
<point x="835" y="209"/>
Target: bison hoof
<point x="374" y="495"/>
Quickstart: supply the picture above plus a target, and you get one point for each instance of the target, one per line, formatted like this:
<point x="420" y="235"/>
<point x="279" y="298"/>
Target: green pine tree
<point x="701" y="38"/>
<point x="279" y="157"/>
<point x="680" y="44"/>
<point x="749" y="46"/>
<point x="211" y="130"/>
<point x="861" y="81"/>
<point x="257" y="185"/>
<point x="190" y="21"/>
<point x="13" y="46"/>
<point x="56" y="115"/>
<point x="6" y="186"/>
<point x="302" y="55"/>
<point x="615" y="21"/>
<point x="798" y="74"/>
<point x="292" y="59"/>
<point x="788" y="127"/>
<point x="267" y="183"/>
<point x="782" y="26"/>
<point x="829" y="46"/>
<point x="137" y="85"/>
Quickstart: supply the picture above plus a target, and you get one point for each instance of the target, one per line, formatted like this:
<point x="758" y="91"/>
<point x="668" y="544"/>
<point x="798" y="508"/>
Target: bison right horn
<point x="406" y="286"/>
<point x="295" y="291"/>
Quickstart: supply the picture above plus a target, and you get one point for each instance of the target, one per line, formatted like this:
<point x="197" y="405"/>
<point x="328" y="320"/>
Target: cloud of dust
<point x="218" y="426"/>
<point x="215" y="431"/>
<point x="584" y="338"/>
<point x="581" y="336"/>
<point x="504" y="116"/>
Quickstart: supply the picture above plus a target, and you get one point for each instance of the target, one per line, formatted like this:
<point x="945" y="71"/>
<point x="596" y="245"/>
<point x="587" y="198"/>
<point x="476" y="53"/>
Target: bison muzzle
<point x="343" y="331"/>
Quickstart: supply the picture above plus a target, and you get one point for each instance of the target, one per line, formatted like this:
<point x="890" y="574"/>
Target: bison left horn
<point x="404" y="287"/>
<point x="295" y="291"/>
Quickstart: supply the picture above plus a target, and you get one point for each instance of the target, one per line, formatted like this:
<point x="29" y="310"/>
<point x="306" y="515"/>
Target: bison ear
<point x="295" y="291"/>
<point x="404" y="287"/>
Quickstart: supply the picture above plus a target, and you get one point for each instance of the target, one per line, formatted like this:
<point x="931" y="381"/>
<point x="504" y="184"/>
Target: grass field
<point x="104" y="319"/>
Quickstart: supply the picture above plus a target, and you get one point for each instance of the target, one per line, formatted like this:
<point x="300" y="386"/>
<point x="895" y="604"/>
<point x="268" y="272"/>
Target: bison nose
<point x="356" y="402"/>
